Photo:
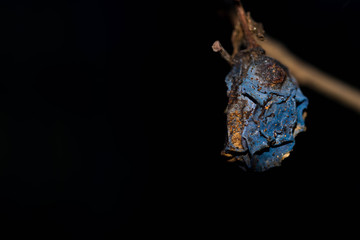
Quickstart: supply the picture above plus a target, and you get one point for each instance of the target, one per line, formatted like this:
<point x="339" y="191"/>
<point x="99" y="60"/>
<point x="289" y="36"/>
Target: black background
<point x="111" y="120"/>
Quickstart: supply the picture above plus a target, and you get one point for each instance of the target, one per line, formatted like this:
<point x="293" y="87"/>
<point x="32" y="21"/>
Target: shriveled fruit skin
<point x="265" y="112"/>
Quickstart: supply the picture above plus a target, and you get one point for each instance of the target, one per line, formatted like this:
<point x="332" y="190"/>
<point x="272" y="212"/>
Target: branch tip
<point x="216" y="47"/>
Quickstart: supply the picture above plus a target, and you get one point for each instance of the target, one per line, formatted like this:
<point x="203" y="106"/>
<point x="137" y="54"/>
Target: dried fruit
<point x="265" y="110"/>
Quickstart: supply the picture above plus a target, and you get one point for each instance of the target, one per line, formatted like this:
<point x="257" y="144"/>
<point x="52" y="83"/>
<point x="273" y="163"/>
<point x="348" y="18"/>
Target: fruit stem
<point x="251" y="43"/>
<point x="217" y="47"/>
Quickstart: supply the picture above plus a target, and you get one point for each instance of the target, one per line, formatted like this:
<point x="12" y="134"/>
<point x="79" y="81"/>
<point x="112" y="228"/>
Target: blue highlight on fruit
<point x="266" y="111"/>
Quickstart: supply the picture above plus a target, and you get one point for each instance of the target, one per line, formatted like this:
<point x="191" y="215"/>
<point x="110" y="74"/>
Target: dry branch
<point x="217" y="47"/>
<point x="312" y="77"/>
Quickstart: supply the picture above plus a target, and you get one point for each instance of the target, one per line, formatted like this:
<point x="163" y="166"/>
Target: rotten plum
<point x="266" y="108"/>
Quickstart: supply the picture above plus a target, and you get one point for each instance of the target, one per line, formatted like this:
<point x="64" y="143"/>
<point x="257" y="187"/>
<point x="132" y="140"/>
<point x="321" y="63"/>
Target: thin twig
<point x="218" y="48"/>
<point x="250" y="41"/>
<point x="236" y="37"/>
<point x="312" y="77"/>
